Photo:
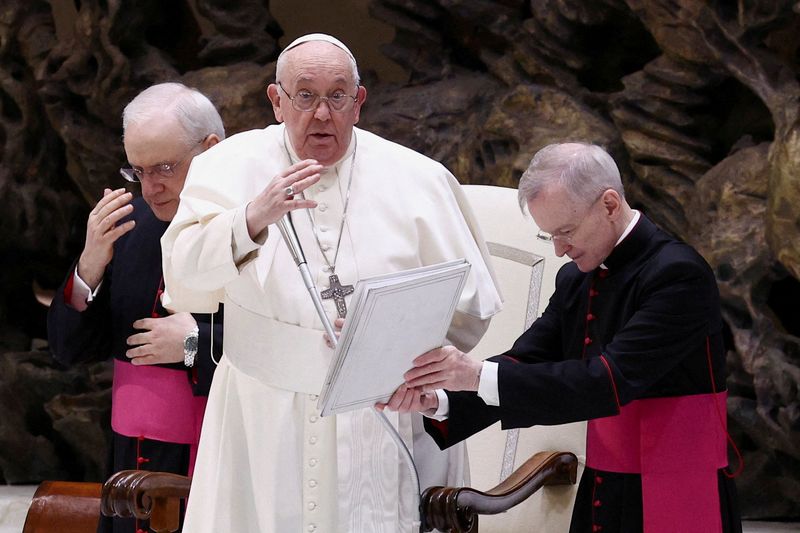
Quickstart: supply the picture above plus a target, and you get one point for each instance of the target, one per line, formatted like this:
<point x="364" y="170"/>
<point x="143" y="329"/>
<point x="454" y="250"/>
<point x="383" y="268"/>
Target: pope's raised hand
<point x="102" y="231"/>
<point x="282" y="195"/>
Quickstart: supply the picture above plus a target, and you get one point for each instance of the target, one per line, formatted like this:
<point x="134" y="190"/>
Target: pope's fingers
<point x="300" y="166"/>
<point x="296" y="186"/>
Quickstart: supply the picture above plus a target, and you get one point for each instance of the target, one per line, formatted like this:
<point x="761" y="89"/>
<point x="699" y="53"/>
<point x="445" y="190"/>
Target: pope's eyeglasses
<point x="307" y="101"/>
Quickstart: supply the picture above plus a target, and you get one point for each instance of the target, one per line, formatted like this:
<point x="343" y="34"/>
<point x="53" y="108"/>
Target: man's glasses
<point x="565" y="237"/>
<point x="161" y="170"/>
<point x="307" y="101"/>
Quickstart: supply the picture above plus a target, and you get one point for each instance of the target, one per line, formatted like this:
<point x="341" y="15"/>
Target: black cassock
<point x="130" y="290"/>
<point x="649" y="326"/>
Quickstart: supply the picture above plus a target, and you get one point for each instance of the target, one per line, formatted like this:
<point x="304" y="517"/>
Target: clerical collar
<point x="628" y="229"/>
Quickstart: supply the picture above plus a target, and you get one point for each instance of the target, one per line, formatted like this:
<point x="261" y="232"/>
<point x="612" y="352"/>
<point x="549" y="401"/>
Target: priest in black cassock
<point x="631" y="341"/>
<point x="110" y="302"/>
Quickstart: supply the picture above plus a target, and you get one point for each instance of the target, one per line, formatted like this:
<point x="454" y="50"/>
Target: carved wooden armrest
<point x="153" y="496"/>
<point x="456" y="509"/>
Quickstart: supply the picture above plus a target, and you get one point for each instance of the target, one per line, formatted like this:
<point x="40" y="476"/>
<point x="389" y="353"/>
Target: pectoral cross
<point x="337" y="291"/>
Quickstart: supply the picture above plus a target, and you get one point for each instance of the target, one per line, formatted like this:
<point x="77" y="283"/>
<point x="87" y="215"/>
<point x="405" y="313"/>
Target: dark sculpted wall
<point x="697" y="100"/>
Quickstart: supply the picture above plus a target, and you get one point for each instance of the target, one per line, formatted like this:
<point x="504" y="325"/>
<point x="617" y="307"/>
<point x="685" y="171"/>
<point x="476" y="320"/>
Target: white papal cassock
<point x="267" y="461"/>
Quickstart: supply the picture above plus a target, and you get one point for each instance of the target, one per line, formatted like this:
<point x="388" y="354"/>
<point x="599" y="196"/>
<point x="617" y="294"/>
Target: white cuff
<point x="487" y="386"/>
<point x="243" y="245"/>
<point x="81" y="295"/>
<point x="443" y="411"/>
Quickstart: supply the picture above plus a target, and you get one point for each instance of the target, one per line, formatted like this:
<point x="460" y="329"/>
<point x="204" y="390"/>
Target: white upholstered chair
<point x="526" y="268"/>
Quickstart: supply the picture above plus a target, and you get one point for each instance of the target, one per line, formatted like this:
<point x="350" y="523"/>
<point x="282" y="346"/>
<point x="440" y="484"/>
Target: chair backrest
<point x="64" y="507"/>
<point x="526" y="268"/>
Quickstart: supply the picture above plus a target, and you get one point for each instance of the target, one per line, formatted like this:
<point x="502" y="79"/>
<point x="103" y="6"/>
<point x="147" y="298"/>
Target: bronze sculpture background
<point x="698" y="100"/>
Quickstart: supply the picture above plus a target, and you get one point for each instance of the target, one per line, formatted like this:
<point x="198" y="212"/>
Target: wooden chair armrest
<point x="64" y="506"/>
<point x="456" y="509"/>
<point x="153" y="496"/>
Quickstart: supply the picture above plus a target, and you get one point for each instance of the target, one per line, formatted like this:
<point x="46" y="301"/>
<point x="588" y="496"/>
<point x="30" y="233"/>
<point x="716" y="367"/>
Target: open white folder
<point x="391" y="320"/>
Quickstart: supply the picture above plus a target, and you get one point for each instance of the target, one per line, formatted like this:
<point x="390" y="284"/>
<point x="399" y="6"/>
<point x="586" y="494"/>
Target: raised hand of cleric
<point x="160" y="339"/>
<point x="102" y="231"/>
<point x="282" y="195"/>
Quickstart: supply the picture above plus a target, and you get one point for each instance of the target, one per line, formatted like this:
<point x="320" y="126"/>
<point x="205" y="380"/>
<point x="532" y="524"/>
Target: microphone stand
<point x="286" y="227"/>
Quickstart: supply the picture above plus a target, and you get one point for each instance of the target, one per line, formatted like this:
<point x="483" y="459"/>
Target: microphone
<point x="289" y="235"/>
<point x="286" y="227"/>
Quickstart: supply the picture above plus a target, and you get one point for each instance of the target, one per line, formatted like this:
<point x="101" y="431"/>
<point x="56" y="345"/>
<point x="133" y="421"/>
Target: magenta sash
<point x="677" y="445"/>
<point x="156" y="403"/>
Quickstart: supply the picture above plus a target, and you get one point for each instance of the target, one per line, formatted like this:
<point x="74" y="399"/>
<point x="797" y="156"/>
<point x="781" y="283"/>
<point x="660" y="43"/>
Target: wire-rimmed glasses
<point x="307" y="101"/>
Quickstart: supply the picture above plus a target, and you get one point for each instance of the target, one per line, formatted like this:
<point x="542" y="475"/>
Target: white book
<point x="391" y="320"/>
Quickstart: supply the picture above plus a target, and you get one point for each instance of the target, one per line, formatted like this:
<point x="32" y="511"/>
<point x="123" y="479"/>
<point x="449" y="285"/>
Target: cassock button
<point x="323" y="228"/>
<point x="312" y="483"/>
<point x="597" y="503"/>
<point x="312" y="440"/>
<point x="598" y="480"/>
<point x="597" y="528"/>
<point x="590" y="317"/>
<point x="312" y="527"/>
<point x="312" y="462"/>
<point x="312" y="418"/>
<point x="323" y="207"/>
<point x="603" y="273"/>
<point x="313" y="397"/>
<point x="312" y="506"/>
<point x="326" y="247"/>
<point x="593" y="293"/>
<point x="587" y="341"/>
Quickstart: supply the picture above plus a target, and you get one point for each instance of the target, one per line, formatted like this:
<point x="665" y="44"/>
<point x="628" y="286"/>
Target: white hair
<point x="280" y="66"/>
<point x="192" y="109"/>
<point x="584" y="170"/>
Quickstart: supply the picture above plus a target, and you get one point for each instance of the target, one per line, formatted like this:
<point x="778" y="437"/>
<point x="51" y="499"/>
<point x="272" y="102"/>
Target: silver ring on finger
<point x="289" y="191"/>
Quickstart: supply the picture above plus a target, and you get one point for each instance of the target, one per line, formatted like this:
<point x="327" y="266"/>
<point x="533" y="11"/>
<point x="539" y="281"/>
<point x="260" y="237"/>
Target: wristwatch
<point x="190" y="342"/>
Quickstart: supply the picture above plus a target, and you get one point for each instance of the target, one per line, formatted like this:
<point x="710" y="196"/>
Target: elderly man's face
<point x="586" y="234"/>
<point x="323" y="69"/>
<point x="149" y="145"/>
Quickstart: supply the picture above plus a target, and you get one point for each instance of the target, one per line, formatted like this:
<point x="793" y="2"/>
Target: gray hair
<point x="280" y="66"/>
<point x="192" y="109"/>
<point x="584" y="170"/>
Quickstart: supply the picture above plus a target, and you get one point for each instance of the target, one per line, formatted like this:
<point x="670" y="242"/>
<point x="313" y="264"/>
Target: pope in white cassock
<point x="362" y="206"/>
